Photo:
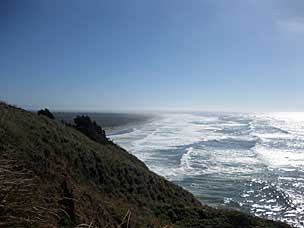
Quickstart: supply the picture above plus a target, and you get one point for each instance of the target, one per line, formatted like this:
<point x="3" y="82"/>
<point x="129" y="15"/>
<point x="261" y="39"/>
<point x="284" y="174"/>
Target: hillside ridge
<point x="52" y="175"/>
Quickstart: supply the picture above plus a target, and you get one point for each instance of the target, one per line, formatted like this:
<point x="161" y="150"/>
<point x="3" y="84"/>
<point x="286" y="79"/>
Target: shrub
<point x="90" y="128"/>
<point x="46" y="112"/>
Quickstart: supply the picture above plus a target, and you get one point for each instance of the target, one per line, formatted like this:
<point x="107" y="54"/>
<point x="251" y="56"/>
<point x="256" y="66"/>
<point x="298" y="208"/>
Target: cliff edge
<point x="52" y="175"/>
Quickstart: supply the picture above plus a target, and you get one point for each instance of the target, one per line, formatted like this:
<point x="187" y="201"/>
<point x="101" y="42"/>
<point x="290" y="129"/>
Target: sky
<point x="142" y="55"/>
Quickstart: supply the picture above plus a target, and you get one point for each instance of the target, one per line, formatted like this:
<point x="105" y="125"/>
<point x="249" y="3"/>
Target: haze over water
<point x="251" y="162"/>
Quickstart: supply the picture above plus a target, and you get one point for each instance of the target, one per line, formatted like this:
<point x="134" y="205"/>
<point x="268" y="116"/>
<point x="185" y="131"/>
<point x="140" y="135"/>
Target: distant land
<point x="109" y="121"/>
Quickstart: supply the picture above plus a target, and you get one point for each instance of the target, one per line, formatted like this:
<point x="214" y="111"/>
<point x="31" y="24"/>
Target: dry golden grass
<point x="17" y="188"/>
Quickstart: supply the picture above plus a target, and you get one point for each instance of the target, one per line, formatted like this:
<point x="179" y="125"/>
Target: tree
<point x="47" y="113"/>
<point x="90" y="128"/>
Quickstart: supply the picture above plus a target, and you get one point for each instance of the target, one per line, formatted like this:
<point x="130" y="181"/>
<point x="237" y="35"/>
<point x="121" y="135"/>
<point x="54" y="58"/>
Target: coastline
<point x="93" y="183"/>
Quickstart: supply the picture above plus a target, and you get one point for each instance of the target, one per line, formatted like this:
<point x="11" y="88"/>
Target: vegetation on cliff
<point x="46" y="113"/>
<point x="52" y="175"/>
<point x="91" y="129"/>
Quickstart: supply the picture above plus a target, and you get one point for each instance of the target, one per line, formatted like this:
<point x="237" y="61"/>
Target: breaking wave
<point x="252" y="162"/>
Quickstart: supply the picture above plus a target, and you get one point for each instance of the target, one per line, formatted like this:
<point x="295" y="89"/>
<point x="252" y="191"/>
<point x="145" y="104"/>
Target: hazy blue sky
<point x="153" y="54"/>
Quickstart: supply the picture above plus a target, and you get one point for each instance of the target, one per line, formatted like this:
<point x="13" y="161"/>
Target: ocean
<point x="251" y="162"/>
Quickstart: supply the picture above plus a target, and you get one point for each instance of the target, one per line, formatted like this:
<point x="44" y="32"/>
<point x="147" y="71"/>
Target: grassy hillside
<point x="51" y="175"/>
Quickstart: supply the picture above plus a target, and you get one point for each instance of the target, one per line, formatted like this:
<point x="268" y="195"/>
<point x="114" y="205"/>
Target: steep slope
<point x="52" y="175"/>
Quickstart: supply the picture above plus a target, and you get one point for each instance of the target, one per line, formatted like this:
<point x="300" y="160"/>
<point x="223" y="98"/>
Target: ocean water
<point x="250" y="162"/>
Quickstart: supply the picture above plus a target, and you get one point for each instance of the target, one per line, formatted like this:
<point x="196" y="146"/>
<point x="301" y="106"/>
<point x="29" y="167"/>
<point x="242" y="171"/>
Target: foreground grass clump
<point x="52" y="175"/>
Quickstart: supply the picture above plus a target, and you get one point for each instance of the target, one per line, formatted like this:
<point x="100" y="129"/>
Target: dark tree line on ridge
<point x="83" y="124"/>
<point x="47" y="113"/>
